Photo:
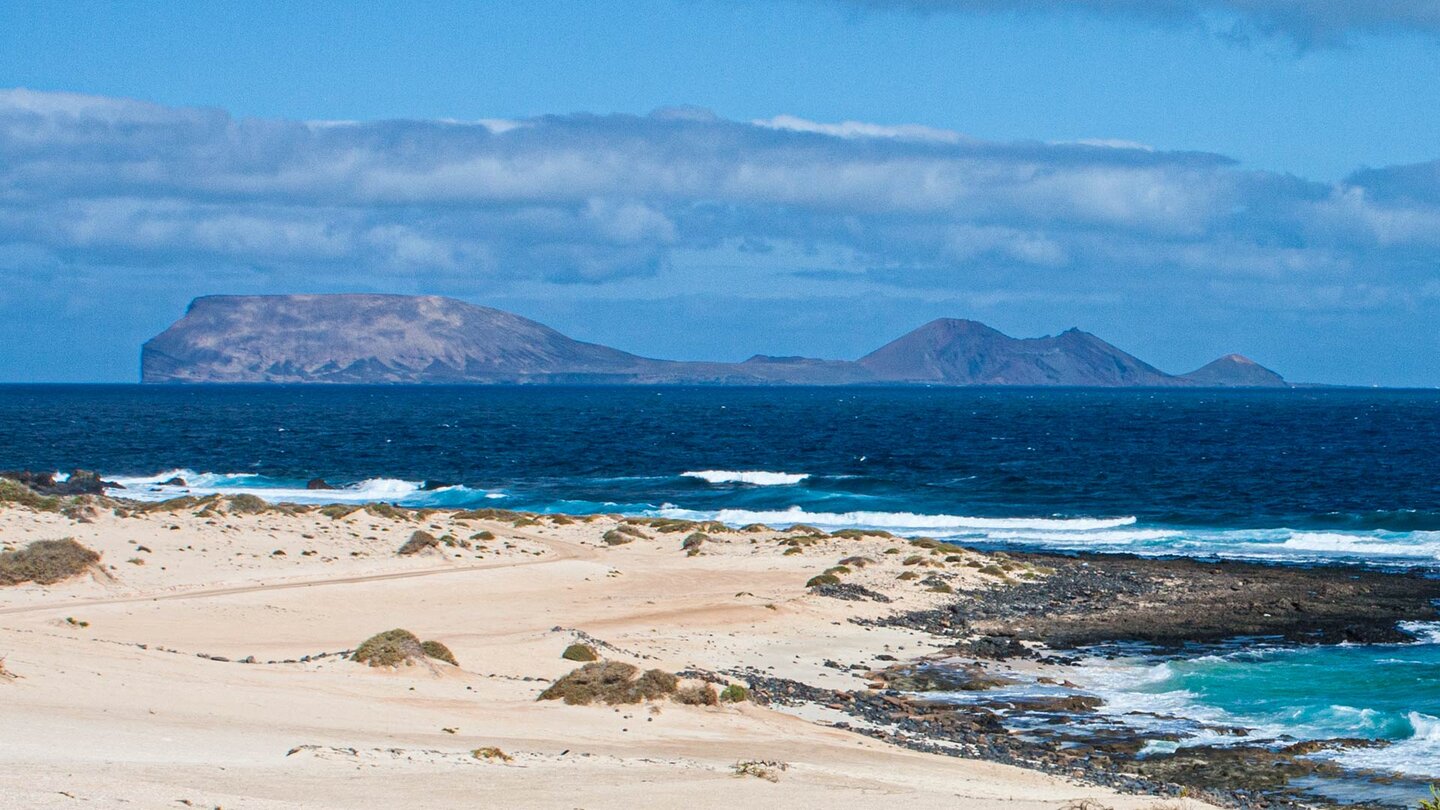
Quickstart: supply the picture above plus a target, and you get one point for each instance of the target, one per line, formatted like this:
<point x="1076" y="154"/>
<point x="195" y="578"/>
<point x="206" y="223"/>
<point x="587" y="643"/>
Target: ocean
<point x="1289" y="477"/>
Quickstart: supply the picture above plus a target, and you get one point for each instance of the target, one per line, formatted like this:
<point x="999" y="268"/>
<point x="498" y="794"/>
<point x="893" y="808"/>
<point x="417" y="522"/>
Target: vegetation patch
<point x="734" y="693"/>
<point x="701" y="694"/>
<point x="822" y="579"/>
<point x="805" y="528"/>
<point x="418" y="542"/>
<point x="491" y="754"/>
<point x="14" y="493"/>
<point x="615" y="537"/>
<point x="580" y="652"/>
<point x="246" y="504"/>
<point x="46" y="562"/>
<point x="611" y="683"/>
<point x="768" y="770"/>
<point x="438" y="651"/>
<point x="861" y="534"/>
<point x="335" y="511"/>
<point x="395" y="647"/>
<point x="691" y="544"/>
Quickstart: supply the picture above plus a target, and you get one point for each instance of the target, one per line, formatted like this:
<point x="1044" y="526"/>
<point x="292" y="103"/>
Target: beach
<point x="203" y="662"/>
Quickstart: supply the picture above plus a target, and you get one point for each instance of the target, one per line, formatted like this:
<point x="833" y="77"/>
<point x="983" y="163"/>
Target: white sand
<point x="94" y="720"/>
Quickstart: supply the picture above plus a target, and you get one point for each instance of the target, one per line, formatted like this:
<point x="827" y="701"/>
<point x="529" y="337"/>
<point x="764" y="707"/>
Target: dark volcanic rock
<point x="318" y="483"/>
<point x="1169" y="603"/>
<point x="80" y="482"/>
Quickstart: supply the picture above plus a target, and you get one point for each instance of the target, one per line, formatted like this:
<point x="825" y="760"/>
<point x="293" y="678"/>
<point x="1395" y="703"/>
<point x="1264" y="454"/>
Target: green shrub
<point x="335" y="511"/>
<point x="691" y="545"/>
<point x="755" y="528"/>
<point x="908" y="575"/>
<point x="438" y="651"/>
<point x="838" y="570"/>
<point x="992" y="570"/>
<point x="580" y="652"/>
<point x="734" y="693"/>
<point x="822" y="579"/>
<point x="805" y="528"/>
<point x="46" y="562"/>
<point x="483" y="535"/>
<point x="1432" y="803"/>
<point x="941" y="587"/>
<point x="915" y="559"/>
<point x="491" y="753"/>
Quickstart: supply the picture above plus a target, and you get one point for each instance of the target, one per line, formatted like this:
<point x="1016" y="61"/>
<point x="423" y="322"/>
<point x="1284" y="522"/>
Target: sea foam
<point x="899" y="522"/>
<point x="758" y="478"/>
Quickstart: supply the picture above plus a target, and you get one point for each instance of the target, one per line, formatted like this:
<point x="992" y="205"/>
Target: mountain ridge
<point x="400" y="339"/>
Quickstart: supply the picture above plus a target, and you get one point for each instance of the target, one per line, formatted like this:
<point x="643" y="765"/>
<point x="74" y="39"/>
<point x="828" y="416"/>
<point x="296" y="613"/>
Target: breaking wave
<point x="758" y="478"/>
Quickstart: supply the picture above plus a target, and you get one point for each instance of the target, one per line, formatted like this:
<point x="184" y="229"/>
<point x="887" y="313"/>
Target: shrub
<point x="941" y="587"/>
<point x="14" y="493"/>
<point x="915" y="559"/>
<point x="5" y="674"/>
<point x="247" y="504"/>
<point x="483" y="535"/>
<point x="992" y="570"/>
<point x="612" y="683"/>
<point x="1432" y="803"/>
<point x="793" y="550"/>
<point x="580" y="652"/>
<point x="691" y="545"/>
<point x="418" y="542"/>
<point x="389" y="649"/>
<point x="46" y="562"/>
<point x="492" y="754"/>
<point x="858" y="562"/>
<point x="822" y="579"/>
<point x="805" y="528"/>
<point x="615" y="537"/>
<point x="702" y="694"/>
<point x="908" y="575"/>
<point x="761" y="769"/>
<point x="386" y="510"/>
<point x="654" y="684"/>
<point x="609" y="682"/>
<point x="755" y="527"/>
<point x="838" y="570"/>
<point x="438" y="651"/>
<point x="734" y="693"/>
<point x="335" y="511"/>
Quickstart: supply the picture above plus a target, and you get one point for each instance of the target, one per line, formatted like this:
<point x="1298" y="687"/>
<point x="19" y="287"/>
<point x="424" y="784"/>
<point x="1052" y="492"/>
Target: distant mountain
<point x="428" y="339"/>
<point x="1235" y="371"/>
<point x="957" y="352"/>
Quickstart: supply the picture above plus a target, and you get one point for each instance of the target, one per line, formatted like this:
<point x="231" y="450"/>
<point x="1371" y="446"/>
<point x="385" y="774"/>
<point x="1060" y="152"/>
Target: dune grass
<point x="46" y="562"/>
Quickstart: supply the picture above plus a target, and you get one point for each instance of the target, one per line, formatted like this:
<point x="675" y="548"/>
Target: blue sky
<point x="714" y="178"/>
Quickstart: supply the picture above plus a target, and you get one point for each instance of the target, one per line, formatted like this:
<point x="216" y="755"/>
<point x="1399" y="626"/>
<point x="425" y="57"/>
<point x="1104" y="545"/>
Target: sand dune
<point x="131" y="691"/>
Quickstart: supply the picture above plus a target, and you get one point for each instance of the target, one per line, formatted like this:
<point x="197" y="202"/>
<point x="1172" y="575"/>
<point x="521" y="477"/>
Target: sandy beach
<point x="198" y="664"/>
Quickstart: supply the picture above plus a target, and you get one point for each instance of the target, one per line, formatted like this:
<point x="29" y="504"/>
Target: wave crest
<point x="758" y="478"/>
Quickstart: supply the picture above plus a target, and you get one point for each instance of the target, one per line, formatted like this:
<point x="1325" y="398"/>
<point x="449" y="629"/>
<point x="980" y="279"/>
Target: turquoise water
<point x="1375" y="692"/>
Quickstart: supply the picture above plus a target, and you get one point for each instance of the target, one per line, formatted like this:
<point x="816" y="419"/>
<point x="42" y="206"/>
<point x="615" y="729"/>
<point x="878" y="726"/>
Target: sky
<point x="709" y="179"/>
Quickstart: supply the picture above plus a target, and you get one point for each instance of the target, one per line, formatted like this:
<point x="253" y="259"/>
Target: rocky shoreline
<point x="1029" y="628"/>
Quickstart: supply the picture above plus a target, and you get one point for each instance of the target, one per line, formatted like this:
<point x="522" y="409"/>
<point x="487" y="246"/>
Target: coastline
<point x="281" y="585"/>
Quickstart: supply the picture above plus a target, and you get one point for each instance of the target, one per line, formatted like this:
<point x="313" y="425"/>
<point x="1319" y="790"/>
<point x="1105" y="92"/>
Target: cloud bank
<point x="1307" y="22"/>
<point x="586" y="199"/>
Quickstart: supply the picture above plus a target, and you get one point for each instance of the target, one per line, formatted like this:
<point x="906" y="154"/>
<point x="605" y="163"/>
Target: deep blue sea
<point x="1291" y="477"/>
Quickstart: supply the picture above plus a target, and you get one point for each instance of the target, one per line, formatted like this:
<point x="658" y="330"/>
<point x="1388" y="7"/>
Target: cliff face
<point x="428" y="339"/>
